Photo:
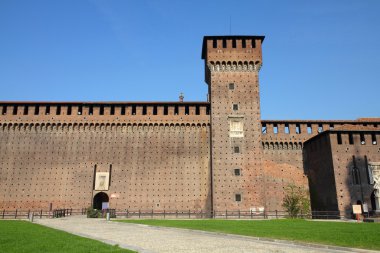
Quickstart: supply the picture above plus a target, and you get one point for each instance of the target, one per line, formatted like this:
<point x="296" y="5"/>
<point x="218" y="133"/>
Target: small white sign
<point x="365" y="208"/>
<point x="105" y="205"/>
<point x="357" y="209"/>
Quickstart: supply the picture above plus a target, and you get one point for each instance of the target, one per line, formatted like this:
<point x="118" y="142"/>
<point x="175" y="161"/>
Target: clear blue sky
<point x="321" y="58"/>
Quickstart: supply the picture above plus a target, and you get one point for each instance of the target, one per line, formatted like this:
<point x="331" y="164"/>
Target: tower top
<point x="230" y="42"/>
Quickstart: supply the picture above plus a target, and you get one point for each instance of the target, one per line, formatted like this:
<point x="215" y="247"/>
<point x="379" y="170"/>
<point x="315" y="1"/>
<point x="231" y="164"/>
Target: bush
<point x="93" y="213"/>
<point x="296" y="201"/>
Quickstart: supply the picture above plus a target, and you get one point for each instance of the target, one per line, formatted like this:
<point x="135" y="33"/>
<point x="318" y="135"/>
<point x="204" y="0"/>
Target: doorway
<point x="99" y="199"/>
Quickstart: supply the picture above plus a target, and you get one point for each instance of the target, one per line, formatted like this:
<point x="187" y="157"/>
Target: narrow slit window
<point x="133" y="109"/>
<point x="207" y="110"/>
<point x="176" y="110"/>
<point x="101" y="110"/>
<point x="4" y="110"/>
<point x="224" y="44"/>
<point x="112" y="110"/>
<point x="275" y="129"/>
<point x="47" y="110"/>
<point x="238" y="197"/>
<point x="91" y="110"/>
<point x="69" y="110"/>
<point x="214" y="43"/>
<point x="233" y="43"/>
<point x="309" y="129"/>
<point x="144" y="110"/>
<point x="362" y="139"/>
<point x="187" y="110"/>
<point x="26" y="110"/>
<point x="298" y="129"/>
<point x="253" y="43"/>
<point x="320" y="128"/>
<point x="36" y="110"/>
<point x="14" y="110"/>
<point x="287" y="129"/>
<point x="374" y="141"/>
<point x="350" y="139"/>
<point x="80" y="110"/>
<point x="58" y="110"/>
<point x="264" y="128"/>
<point x="339" y="138"/>
<point x="155" y="110"/>
<point x="166" y="110"/>
<point x="243" y="43"/>
<point x="197" y="111"/>
<point x="122" y="112"/>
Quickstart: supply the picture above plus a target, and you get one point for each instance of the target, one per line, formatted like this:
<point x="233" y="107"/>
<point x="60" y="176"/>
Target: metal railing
<point x="177" y="214"/>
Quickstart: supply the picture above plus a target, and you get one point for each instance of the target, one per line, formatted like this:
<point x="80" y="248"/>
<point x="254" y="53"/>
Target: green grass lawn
<point x="357" y="235"/>
<point x="23" y="236"/>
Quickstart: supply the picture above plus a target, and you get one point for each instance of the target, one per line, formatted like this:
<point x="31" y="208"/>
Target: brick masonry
<point x="214" y="155"/>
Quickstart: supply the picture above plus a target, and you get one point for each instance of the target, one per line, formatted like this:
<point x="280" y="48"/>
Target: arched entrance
<point x="99" y="198"/>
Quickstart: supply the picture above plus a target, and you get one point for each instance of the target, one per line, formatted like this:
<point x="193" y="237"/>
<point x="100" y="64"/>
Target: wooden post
<point x="16" y="214"/>
<point x="239" y="213"/>
<point x="139" y="213"/>
<point x="276" y="215"/>
<point x="3" y="213"/>
<point x="41" y="214"/>
<point x="189" y="213"/>
<point x="226" y="214"/>
<point x="164" y="213"/>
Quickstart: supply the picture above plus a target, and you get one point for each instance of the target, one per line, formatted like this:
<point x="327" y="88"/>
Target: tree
<point x="296" y="201"/>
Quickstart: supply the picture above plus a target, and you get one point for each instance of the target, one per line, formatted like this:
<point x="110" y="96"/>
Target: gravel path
<point x="143" y="238"/>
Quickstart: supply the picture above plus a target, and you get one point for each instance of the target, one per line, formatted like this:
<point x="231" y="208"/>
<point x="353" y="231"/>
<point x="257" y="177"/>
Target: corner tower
<point x="232" y="64"/>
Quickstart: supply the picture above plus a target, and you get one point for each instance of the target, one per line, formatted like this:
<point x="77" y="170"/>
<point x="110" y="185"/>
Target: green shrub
<point x="296" y="201"/>
<point x="93" y="213"/>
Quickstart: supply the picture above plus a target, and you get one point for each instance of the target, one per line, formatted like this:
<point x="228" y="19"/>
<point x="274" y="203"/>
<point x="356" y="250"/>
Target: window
<point x="4" y="110"/>
<point x="14" y="110"/>
<point x="58" y="111"/>
<point x="374" y="141"/>
<point x="237" y="172"/>
<point x="264" y="128"/>
<point x="112" y="110"/>
<point x="362" y="139"/>
<point x="231" y="86"/>
<point x="339" y="138"/>
<point x="320" y="128"/>
<point x="101" y="110"/>
<point x="235" y="107"/>
<point x="238" y="197"/>
<point x="350" y="139"/>
<point x="286" y="128"/>
<point x="36" y="110"/>
<point x="26" y="109"/>
<point x="122" y="110"/>
<point x="309" y="129"/>
<point x="275" y="129"/>
<point x="47" y="110"/>
<point x="236" y="149"/>
<point x="80" y="110"/>
<point x="69" y="110"/>
<point x="298" y="129"/>
<point x="236" y="128"/>
<point x="91" y="110"/>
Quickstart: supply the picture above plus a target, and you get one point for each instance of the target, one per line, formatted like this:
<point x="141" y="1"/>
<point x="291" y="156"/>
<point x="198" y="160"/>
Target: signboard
<point x="365" y="208"/>
<point x="105" y="205"/>
<point x="102" y="181"/>
<point x="357" y="209"/>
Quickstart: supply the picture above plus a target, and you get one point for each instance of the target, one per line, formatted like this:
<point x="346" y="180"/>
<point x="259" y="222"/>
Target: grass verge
<point x="355" y="235"/>
<point x="25" y="237"/>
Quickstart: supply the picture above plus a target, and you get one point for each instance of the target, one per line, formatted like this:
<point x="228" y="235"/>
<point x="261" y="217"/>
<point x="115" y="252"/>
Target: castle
<point x="214" y="155"/>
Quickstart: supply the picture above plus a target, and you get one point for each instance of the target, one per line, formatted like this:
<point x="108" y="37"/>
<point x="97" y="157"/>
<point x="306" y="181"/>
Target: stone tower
<point x="232" y="64"/>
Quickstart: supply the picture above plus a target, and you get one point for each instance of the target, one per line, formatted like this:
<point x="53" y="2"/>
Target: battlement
<point x="232" y="48"/>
